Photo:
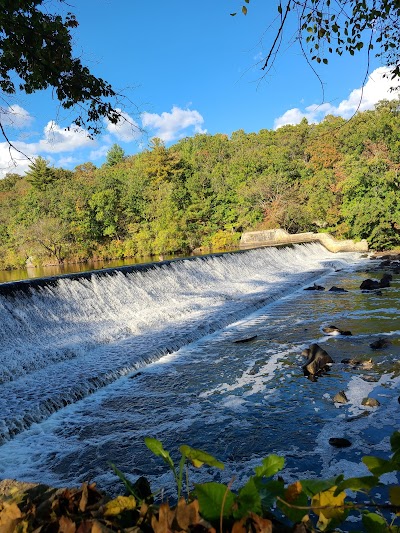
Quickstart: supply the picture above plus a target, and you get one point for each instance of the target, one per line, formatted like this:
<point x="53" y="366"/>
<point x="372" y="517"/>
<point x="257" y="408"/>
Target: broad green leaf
<point x="248" y="500"/>
<point x="365" y="483"/>
<point x="270" y="466"/>
<point x="211" y="496"/>
<point x="156" y="447"/>
<point x="119" y="505"/>
<point x="294" y="497"/>
<point x="269" y="491"/>
<point x="313" y="486"/>
<point x="395" y="441"/>
<point x="394" y="494"/>
<point x="374" y="523"/>
<point x="378" y="466"/>
<point x="198" y="457"/>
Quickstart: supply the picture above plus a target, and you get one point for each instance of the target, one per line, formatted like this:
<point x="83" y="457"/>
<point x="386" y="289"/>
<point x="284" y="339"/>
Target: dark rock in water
<point x="318" y="360"/>
<point x="247" y="339"/>
<point x="369" y="285"/>
<point x="357" y="417"/>
<point x="379" y="344"/>
<point x="385" y="280"/>
<point x="135" y="375"/>
<point x="338" y="442"/>
<point x="333" y="330"/>
<point x="340" y="397"/>
<point x="370" y="402"/>
<point x="315" y="287"/>
<point x="337" y="289"/>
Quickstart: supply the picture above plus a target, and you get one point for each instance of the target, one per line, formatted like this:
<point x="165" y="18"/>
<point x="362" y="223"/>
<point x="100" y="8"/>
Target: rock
<point x="370" y="402"/>
<point x="315" y="287"/>
<point x="338" y="442"/>
<point x="247" y="339"/>
<point x="385" y="280"/>
<point x="379" y="344"/>
<point x="337" y="289"/>
<point x="369" y="285"/>
<point x="333" y="330"/>
<point x="318" y="360"/>
<point x="340" y="397"/>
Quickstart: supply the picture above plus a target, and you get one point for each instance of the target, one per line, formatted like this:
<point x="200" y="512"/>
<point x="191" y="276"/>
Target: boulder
<point x="370" y="402"/>
<point x="370" y="285"/>
<point x="379" y="344"/>
<point x="318" y="360"/>
<point x="338" y="442"/>
<point x="385" y="280"/>
<point x="333" y="330"/>
<point x="315" y="287"/>
<point x="337" y="289"/>
<point x="340" y="397"/>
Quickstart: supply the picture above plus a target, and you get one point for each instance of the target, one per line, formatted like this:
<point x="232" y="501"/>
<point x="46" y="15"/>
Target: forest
<point x="338" y="176"/>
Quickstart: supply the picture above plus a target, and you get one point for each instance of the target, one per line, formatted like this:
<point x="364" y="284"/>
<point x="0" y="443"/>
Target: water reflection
<point x="74" y="268"/>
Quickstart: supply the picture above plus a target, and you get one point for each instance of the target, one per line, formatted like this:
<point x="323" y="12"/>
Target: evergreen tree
<point x="40" y="174"/>
<point x="115" y="155"/>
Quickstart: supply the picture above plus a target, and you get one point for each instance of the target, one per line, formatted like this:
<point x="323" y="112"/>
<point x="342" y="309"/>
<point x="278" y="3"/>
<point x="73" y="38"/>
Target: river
<point x="90" y="367"/>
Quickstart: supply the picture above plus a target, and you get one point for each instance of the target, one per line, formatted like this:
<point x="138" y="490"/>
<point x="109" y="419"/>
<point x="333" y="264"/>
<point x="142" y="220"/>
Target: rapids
<point x="92" y="365"/>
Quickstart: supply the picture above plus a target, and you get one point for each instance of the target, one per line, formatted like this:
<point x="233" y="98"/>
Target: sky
<point x="184" y="68"/>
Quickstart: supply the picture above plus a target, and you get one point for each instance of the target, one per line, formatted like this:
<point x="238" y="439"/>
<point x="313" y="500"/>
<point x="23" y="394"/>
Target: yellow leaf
<point x="244" y="10"/>
<point x="394" y="493"/>
<point x="119" y="505"/>
<point x="326" y="502"/>
<point x="197" y="463"/>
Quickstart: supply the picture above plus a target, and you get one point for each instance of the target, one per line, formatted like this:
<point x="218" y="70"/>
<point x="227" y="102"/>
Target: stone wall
<point x="273" y="237"/>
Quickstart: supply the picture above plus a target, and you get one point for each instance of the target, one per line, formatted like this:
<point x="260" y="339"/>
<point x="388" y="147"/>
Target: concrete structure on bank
<point x="274" y="237"/>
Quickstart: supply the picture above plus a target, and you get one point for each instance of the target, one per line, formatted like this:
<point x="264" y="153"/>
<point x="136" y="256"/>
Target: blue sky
<point x="185" y="67"/>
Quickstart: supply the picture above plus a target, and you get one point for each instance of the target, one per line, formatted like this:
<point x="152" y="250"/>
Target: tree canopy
<point x="327" y="27"/>
<point x="36" y="53"/>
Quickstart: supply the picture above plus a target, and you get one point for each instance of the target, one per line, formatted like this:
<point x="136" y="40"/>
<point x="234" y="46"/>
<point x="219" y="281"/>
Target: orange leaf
<point x="293" y="491"/>
<point x="66" y="525"/>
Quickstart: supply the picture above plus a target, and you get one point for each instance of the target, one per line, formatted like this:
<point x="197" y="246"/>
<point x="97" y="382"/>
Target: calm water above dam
<point x="90" y="367"/>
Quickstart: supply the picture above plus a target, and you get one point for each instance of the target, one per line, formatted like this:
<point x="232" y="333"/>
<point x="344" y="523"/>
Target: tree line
<point x="204" y="191"/>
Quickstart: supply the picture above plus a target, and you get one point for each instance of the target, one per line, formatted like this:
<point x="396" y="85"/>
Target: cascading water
<point x="91" y="366"/>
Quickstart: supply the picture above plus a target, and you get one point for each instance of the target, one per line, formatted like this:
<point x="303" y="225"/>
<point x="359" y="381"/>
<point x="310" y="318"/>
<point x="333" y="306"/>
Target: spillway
<point x="92" y="364"/>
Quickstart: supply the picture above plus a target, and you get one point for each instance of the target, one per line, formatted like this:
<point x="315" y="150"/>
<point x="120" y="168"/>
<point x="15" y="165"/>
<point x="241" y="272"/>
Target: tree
<point x="36" y="46"/>
<point x="342" y="26"/>
<point x="115" y="155"/>
<point x="40" y="174"/>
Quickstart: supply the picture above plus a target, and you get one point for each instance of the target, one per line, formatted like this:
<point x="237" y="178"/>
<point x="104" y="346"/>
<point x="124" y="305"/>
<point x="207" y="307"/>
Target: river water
<point x="91" y="367"/>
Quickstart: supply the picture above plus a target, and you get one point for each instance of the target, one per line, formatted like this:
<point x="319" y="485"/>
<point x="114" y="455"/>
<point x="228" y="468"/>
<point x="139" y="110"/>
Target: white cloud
<point x="377" y="88"/>
<point x="100" y="153"/>
<point x="57" y="139"/>
<point x="15" y="116"/>
<point x="171" y="126"/>
<point x="126" y="128"/>
<point x="13" y="161"/>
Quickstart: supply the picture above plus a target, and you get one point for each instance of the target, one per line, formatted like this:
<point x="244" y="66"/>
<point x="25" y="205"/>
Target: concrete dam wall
<point x="273" y="237"/>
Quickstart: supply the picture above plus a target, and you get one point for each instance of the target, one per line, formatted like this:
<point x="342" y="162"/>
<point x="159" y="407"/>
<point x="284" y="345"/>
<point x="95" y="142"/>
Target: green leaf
<point x="128" y="485"/>
<point x="395" y="442"/>
<point x="374" y="523"/>
<point x="378" y="466"/>
<point x="248" y="500"/>
<point x="269" y="491"/>
<point x="198" y="457"/>
<point x="244" y="10"/>
<point x="295" y="515"/>
<point x="233" y="14"/>
<point x="314" y="486"/>
<point x="280" y="9"/>
<point x="211" y="497"/>
<point x="156" y="447"/>
<point x="394" y="494"/>
<point x="270" y="466"/>
<point x="365" y="483"/>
